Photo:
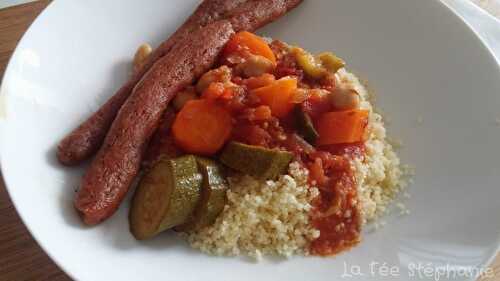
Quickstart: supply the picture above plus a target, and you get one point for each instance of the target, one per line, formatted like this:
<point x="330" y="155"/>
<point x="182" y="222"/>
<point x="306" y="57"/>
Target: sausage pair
<point x="138" y="106"/>
<point x="85" y="140"/>
<point x="115" y="166"/>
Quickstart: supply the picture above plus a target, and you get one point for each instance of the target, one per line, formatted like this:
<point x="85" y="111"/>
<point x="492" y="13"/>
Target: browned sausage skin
<point x="206" y="13"/>
<point x="252" y="15"/>
<point x="86" y="139"/>
<point x="118" y="161"/>
<point x="162" y="143"/>
<point x="249" y="15"/>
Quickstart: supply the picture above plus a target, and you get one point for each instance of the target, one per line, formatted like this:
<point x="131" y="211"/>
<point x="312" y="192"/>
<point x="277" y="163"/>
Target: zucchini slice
<point x="166" y="196"/>
<point x="213" y="196"/>
<point x="256" y="161"/>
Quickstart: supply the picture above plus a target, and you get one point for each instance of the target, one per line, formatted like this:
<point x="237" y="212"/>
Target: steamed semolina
<point x="379" y="174"/>
<point x="262" y="217"/>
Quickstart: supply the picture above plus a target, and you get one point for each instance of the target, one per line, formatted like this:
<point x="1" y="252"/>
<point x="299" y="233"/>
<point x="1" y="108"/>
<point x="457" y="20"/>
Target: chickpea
<point x="141" y="55"/>
<point x="319" y="93"/>
<point x="345" y="99"/>
<point x="255" y="66"/>
<point x="221" y="74"/>
<point x="182" y="97"/>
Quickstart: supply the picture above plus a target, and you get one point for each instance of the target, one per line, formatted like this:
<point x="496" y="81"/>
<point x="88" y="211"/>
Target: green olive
<point x="331" y="62"/>
<point x="308" y="63"/>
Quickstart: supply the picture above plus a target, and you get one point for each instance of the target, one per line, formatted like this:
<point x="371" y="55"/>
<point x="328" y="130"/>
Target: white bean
<point x="255" y="66"/>
<point x="345" y="99"/>
<point x="141" y="55"/>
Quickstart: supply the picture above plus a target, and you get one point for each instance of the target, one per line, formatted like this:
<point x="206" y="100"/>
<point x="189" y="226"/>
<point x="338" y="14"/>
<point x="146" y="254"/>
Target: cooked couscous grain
<point x="262" y="218"/>
<point x="379" y="174"/>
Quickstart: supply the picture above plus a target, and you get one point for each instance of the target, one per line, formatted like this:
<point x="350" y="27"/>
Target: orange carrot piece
<point x="202" y="127"/>
<point x="342" y="126"/>
<point x="300" y="96"/>
<point x="245" y="40"/>
<point x="213" y="91"/>
<point x="228" y="94"/>
<point x="278" y="96"/>
<point x="259" y="81"/>
<point x="218" y="90"/>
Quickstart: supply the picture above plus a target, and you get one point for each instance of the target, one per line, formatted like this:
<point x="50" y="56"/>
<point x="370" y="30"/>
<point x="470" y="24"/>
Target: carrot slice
<point x="213" y="91"/>
<point x="217" y="90"/>
<point x="228" y="94"/>
<point x="202" y="127"/>
<point x="245" y="40"/>
<point x="278" y="96"/>
<point x="342" y="126"/>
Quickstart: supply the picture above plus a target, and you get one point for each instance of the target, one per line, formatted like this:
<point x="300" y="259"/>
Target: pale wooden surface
<point x="20" y="256"/>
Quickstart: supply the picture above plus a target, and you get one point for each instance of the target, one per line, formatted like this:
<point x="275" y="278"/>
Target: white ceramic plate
<point x="420" y="58"/>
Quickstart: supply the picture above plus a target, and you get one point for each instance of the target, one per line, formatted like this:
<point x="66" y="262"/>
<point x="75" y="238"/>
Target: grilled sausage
<point x="162" y="142"/>
<point x="252" y="15"/>
<point x="85" y="140"/>
<point x="111" y="173"/>
<point x="249" y="15"/>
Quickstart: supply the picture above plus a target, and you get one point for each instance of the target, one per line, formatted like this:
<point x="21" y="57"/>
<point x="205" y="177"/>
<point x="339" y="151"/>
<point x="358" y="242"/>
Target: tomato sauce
<point x="335" y="214"/>
<point x="335" y="211"/>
